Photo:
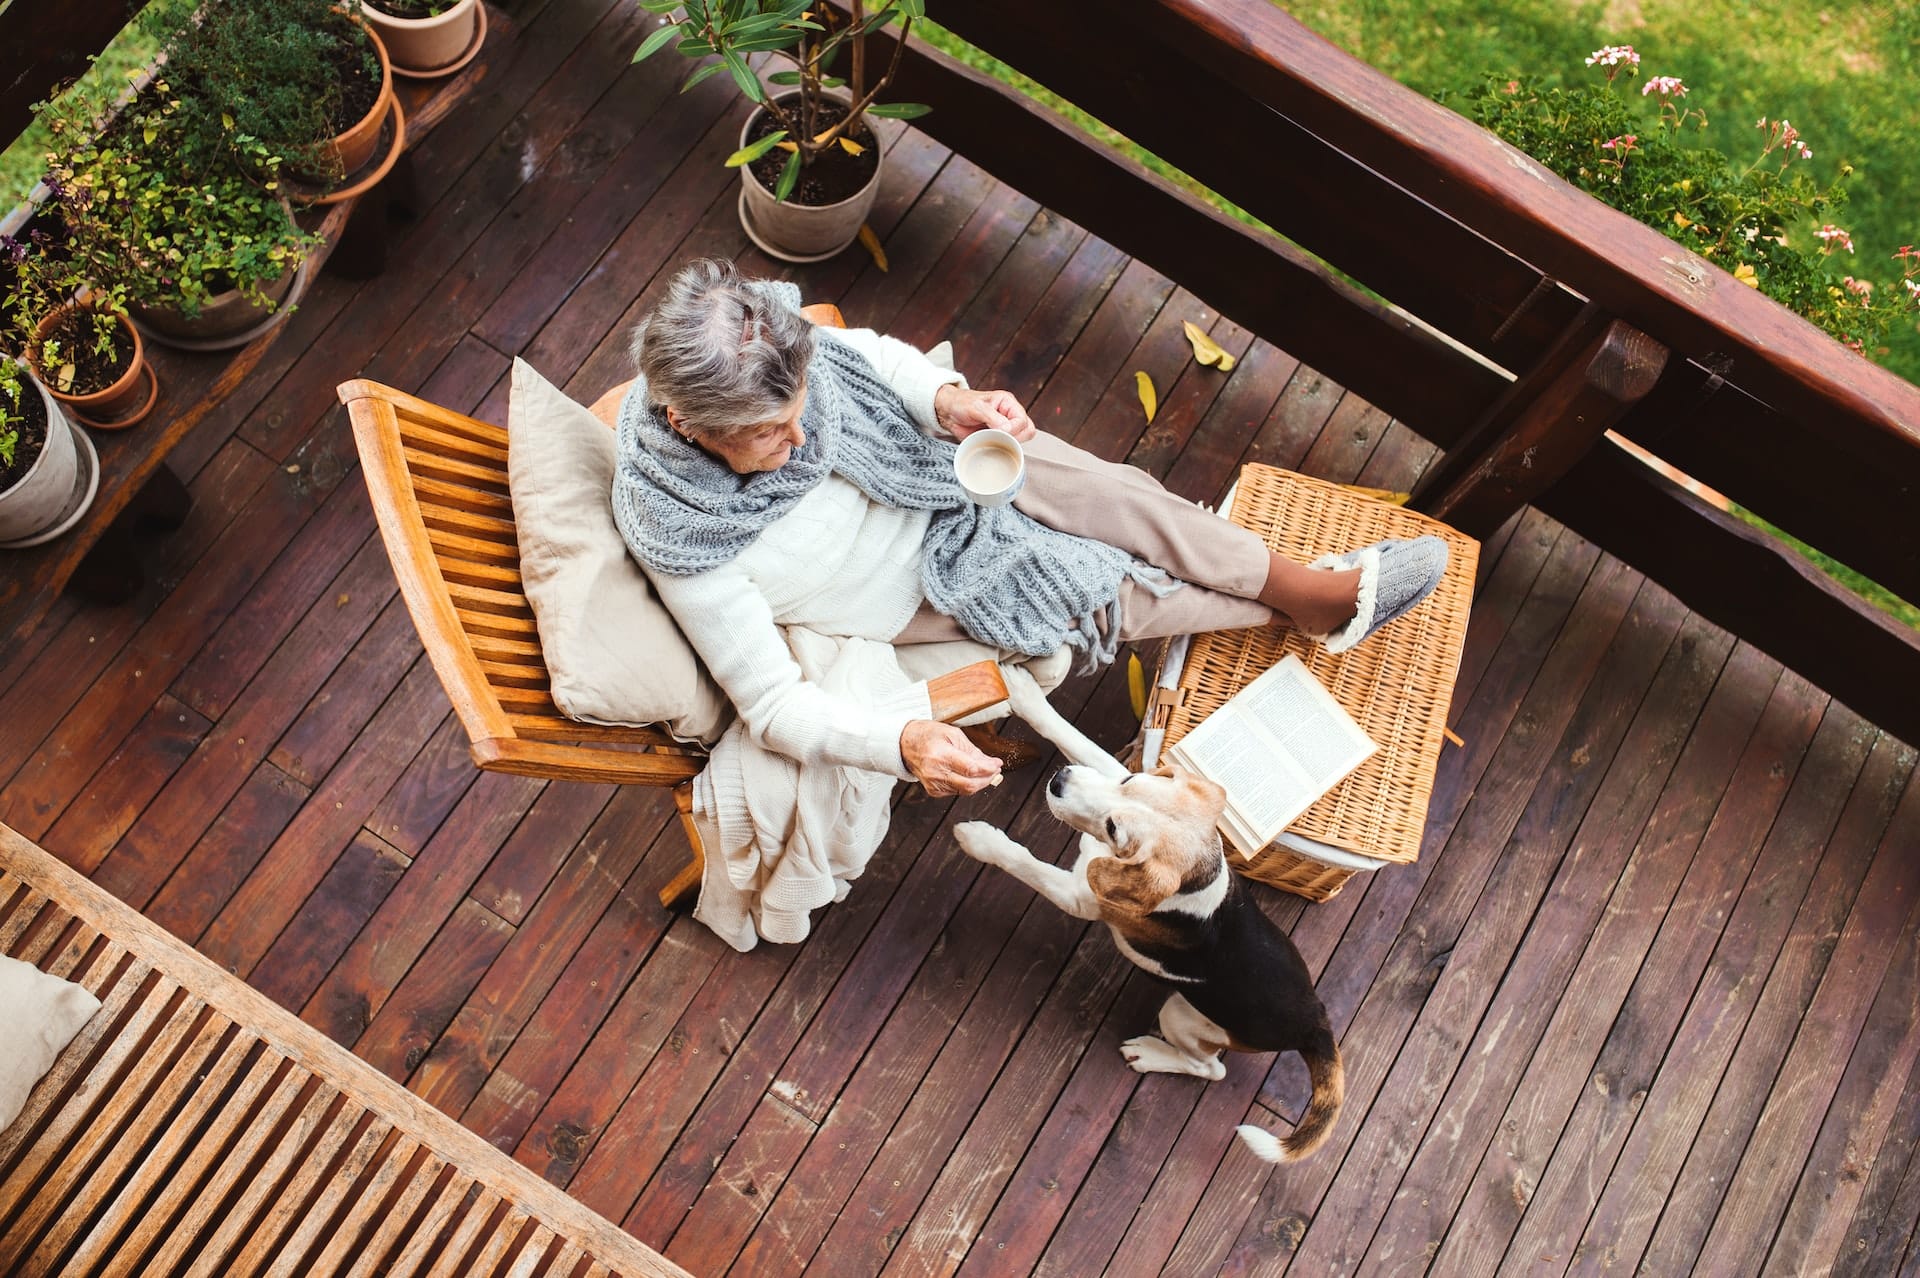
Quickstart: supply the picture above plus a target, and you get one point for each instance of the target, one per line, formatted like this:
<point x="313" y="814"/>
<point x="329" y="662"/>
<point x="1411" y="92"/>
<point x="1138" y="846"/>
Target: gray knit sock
<point x="1394" y="576"/>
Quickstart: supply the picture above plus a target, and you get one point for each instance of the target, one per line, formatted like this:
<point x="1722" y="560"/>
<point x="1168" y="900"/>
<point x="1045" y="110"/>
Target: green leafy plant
<point x="270" y="77"/>
<point x="12" y="388"/>
<point x="413" y="8"/>
<point x="811" y="36"/>
<point x="138" y="213"/>
<point x="1769" y="222"/>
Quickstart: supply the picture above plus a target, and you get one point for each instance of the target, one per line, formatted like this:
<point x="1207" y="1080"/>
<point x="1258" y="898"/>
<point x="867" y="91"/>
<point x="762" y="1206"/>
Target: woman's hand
<point x="961" y="412"/>
<point x="946" y="763"/>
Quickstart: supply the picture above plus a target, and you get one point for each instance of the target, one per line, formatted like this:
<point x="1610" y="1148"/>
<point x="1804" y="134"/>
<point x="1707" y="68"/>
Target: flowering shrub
<point x="1644" y="154"/>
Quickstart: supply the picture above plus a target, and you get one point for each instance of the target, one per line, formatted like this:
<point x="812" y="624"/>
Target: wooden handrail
<point x="1673" y="294"/>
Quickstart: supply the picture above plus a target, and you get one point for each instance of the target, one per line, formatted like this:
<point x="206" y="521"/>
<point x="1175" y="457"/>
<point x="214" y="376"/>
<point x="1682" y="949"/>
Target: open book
<point x="1275" y="746"/>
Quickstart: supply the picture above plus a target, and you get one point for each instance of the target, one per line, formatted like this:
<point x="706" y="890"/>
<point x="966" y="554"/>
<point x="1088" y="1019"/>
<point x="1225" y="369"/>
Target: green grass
<point x="22" y="163"/>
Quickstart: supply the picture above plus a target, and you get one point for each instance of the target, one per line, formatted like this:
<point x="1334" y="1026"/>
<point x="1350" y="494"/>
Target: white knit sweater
<point x="838" y="564"/>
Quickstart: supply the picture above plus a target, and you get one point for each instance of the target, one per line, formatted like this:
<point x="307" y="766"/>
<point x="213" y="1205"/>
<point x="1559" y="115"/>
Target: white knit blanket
<point x="783" y="839"/>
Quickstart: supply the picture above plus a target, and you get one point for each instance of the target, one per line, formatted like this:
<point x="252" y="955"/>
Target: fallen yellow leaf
<point x="786" y="146"/>
<point x="851" y="147"/>
<point x="1206" y="350"/>
<point x="872" y="244"/>
<point x="1148" y="400"/>
<point x="1137" y="685"/>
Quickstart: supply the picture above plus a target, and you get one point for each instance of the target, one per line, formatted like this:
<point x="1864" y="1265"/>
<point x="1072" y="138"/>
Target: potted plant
<point x="74" y="332"/>
<point x="810" y="163"/>
<point x="48" y="473"/>
<point x="426" y="38"/>
<point x="308" y="81"/>
<point x="195" y="240"/>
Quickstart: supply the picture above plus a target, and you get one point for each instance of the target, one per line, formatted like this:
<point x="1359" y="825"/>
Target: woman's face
<point x="765" y="446"/>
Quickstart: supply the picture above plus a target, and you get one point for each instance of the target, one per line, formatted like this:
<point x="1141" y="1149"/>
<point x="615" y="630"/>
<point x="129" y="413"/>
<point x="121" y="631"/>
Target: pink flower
<point x="1667" y="86"/>
<point x="1913" y="289"/>
<point x="1835" y="237"/>
<point x="1859" y="288"/>
<point x="1513" y="86"/>
<point x="1624" y="143"/>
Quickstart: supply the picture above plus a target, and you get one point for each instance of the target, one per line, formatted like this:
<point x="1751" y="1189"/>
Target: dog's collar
<point x="1200" y="902"/>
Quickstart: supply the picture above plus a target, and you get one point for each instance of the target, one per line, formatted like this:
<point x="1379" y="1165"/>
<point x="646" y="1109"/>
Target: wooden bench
<point x="196" y="1127"/>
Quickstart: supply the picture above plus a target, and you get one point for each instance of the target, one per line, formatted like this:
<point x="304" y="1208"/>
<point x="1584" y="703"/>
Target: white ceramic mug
<point x="989" y="465"/>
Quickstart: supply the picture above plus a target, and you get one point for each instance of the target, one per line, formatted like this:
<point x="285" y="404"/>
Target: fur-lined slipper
<point x="1394" y="576"/>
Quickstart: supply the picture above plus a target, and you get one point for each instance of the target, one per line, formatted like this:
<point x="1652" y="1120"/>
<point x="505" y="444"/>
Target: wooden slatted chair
<point x="196" y="1127"/>
<point x="438" y="482"/>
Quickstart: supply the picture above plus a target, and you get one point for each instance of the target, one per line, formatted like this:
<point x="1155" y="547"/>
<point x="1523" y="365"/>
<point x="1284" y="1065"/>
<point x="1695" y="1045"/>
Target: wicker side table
<point x="1398" y="684"/>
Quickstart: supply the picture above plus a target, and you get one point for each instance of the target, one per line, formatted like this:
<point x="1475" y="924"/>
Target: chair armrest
<point x="966" y="691"/>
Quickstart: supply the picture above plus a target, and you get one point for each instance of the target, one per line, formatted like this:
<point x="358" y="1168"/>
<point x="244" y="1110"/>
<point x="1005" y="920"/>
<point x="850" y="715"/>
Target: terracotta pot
<point x="799" y="232"/>
<point x="427" y="46"/>
<point x="125" y="403"/>
<point x="228" y="318"/>
<point x="353" y="148"/>
<point x="44" y="497"/>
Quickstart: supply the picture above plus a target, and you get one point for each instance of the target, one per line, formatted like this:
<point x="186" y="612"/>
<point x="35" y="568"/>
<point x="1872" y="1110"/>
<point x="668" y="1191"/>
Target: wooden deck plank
<point x="1754" y="1200"/>
<point x="641" y="843"/>
<point x="1685" y="897"/>
<point x="1531" y="981"/>
<point x="404" y="924"/>
<point x="114" y="798"/>
<point x="1730" y="1004"/>
<point x="194" y="795"/>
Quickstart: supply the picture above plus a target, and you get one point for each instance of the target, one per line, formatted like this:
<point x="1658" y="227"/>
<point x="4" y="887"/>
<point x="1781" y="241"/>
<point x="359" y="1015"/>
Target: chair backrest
<point x="438" y="482"/>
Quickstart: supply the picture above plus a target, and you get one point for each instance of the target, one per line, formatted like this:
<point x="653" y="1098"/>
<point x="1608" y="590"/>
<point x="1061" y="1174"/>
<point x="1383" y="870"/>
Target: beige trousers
<point x="1073" y="491"/>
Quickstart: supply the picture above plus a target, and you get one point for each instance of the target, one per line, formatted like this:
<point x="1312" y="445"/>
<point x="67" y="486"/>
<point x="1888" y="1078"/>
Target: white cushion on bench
<point x="41" y="1014"/>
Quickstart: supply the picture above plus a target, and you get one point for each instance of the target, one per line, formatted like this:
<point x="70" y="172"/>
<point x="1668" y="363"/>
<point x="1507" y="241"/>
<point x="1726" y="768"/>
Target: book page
<point x="1275" y="747"/>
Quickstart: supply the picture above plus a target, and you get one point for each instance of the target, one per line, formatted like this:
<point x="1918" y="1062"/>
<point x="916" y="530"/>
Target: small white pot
<point x="796" y="232"/>
<point x="43" y="496"/>
<point x="426" y="46"/>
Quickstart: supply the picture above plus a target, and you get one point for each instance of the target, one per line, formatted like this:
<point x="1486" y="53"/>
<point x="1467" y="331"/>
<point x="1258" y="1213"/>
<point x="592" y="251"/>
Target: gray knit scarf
<point x="1008" y="580"/>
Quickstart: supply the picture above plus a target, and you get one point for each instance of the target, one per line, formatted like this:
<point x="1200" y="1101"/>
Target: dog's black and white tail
<point x="1329" y="1089"/>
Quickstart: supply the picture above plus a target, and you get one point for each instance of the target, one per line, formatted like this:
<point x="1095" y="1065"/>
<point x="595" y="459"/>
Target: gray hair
<point x="723" y="352"/>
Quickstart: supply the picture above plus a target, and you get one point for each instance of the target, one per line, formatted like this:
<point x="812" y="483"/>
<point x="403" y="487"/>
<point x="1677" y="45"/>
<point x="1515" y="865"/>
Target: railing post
<point x="1543" y="424"/>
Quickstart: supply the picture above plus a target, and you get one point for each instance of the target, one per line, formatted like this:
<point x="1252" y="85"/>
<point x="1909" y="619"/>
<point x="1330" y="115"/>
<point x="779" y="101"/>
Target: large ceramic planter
<point x="426" y="47"/>
<point x="797" y="232"/>
<point x="225" y="320"/>
<point x="57" y="488"/>
<point x="125" y="403"/>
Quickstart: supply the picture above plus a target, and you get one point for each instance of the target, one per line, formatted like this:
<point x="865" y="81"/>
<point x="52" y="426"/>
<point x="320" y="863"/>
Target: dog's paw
<point x="1147" y="1055"/>
<point x="983" y="842"/>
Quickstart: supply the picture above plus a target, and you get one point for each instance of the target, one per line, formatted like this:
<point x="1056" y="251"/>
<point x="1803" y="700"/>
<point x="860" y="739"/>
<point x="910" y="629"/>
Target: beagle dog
<point x="1151" y="866"/>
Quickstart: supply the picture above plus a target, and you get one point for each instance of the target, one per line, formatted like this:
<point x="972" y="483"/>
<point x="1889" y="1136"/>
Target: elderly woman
<point x="772" y="474"/>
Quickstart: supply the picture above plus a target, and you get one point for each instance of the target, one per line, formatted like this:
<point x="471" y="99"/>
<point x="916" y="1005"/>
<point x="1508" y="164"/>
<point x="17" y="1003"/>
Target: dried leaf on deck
<point x="1137" y="685"/>
<point x="872" y="245"/>
<point x="1206" y="350"/>
<point x="1148" y="400"/>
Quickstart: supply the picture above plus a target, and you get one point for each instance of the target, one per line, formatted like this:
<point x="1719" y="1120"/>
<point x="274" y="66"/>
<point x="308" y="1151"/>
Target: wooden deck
<point x="1651" y="997"/>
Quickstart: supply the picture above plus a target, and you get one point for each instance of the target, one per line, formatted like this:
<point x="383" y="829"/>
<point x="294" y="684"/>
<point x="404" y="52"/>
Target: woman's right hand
<point x="945" y="762"/>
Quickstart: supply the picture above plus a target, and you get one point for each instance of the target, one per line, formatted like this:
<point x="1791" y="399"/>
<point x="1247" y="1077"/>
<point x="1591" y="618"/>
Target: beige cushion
<point x="612" y="650"/>
<point x="42" y="1014"/>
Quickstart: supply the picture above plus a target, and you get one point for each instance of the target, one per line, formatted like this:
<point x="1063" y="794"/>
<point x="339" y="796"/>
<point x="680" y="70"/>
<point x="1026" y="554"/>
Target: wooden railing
<point x="1526" y="320"/>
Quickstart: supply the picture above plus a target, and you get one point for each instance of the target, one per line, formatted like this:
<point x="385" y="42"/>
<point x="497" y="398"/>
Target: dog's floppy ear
<point x="1132" y="887"/>
<point x="1211" y="797"/>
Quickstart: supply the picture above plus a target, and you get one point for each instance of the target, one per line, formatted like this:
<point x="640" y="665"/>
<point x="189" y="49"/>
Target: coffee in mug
<point x="989" y="464"/>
